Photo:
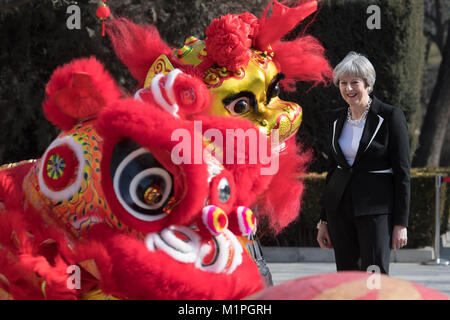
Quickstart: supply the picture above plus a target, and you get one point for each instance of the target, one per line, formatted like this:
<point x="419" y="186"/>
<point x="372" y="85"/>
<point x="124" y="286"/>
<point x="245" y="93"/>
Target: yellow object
<point x="97" y="294"/>
<point x="161" y="65"/>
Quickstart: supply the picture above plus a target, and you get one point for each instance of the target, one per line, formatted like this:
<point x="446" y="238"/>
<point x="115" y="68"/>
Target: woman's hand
<point x="399" y="237"/>
<point x="323" y="238"/>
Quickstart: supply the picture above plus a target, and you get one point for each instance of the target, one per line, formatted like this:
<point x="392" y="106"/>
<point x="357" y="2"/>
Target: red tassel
<point x="103" y="28"/>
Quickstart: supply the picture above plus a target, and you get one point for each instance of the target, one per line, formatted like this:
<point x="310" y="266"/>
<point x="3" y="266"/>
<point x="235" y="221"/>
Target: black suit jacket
<point x="380" y="175"/>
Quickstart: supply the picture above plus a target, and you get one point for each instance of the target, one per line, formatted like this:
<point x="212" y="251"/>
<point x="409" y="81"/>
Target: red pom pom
<point x="80" y="100"/>
<point x="77" y="91"/>
<point x="228" y="40"/>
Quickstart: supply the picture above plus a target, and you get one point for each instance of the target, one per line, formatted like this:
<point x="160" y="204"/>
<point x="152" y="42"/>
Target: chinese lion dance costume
<point x="108" y="212"/>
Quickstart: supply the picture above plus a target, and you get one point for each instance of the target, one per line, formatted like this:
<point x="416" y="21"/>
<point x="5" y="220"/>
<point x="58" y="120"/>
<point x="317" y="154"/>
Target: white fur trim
<point x="169" y="85"/>
<point x="214" y="165"/>
<point x="193" y="251"/>
<point x="238" y="250"/>
<point x="150" y="242"/>
<point x="156" y="90"/>
<point x="117" y="175"/>
<point x="186" y="252"/>
<point x="222" y="256"/>
<point x="64" y="194"/>
<point x="137" y="95"/>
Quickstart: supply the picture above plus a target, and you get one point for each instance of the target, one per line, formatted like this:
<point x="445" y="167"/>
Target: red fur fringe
<point x="281" y="201"/>
<point x="11" y="185"/>
<point x="307" y="64"/>
<point x="191" y="94"/>
<point x="282" y="20"/>
<point x="248" y="179"/>
<point x="137" y="46"/>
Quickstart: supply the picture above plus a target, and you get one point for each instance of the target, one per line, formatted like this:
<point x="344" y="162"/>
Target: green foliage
<point x="302" y="232"/>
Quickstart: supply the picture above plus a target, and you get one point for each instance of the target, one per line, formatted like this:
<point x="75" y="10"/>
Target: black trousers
<point x="361" y="242"/>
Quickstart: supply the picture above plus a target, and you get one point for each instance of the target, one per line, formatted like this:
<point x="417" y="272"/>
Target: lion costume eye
<point x="141" y="184"/>
<point x="240" y="103"/>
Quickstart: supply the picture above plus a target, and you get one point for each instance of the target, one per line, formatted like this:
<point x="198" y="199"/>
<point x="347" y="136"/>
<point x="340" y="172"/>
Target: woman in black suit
<point x="366" y="199"/>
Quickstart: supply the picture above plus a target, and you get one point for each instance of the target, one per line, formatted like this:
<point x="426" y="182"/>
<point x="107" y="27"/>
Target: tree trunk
<point x="434" y="126"/>
<point x="445" y="155"/>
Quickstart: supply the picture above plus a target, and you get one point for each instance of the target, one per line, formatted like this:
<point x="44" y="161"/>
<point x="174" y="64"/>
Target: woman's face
<point x="354" y="91"/>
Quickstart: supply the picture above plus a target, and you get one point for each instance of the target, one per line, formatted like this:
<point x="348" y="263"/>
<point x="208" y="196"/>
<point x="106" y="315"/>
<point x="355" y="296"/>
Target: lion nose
<point x="286" y="118"/>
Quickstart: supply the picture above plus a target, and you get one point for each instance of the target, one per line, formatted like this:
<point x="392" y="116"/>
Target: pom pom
<point x="223" y="190"/>
<point x="176" y="92"/>
<point x="80" y="100"/>
<point x="77" y="91"/>
<point x="212" y="221"/>
<point x="242" y="221"/>
<point x="228" y="40"/>
<point x="253" y="23"/>
<point x="191" y="94"/>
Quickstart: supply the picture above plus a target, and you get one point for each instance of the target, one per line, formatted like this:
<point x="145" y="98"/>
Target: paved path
<point x="435" y="277"/>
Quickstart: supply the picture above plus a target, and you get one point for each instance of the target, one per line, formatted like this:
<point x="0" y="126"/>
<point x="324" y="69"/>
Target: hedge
<point x="396" y="50"/>
<point x="302" y="232"/>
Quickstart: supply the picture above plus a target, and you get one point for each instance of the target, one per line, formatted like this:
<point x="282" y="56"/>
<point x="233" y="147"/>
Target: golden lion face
<point x="251" y="92"/>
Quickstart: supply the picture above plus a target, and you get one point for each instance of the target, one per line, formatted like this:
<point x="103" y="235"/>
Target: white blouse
<point x="349" y="140"/>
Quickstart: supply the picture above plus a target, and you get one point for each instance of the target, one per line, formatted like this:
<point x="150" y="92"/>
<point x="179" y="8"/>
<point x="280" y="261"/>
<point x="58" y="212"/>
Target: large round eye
<point x="151" y="188"/>
<point x="61" y="170"/>
<point x="239" y="106"/>
<point x="141" y="184"/>
<point x="223" y="191"/>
